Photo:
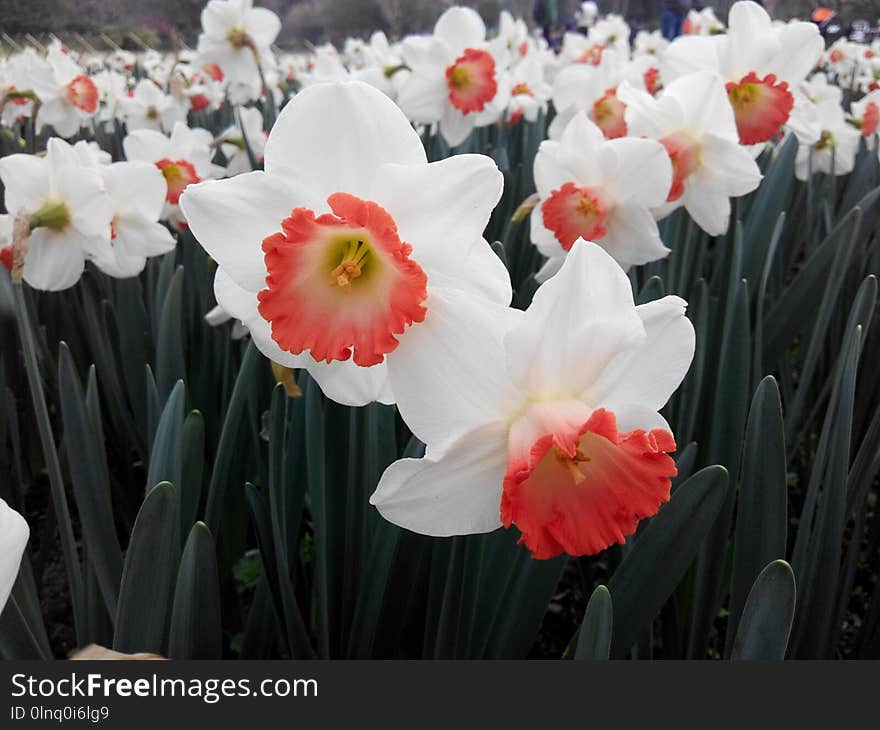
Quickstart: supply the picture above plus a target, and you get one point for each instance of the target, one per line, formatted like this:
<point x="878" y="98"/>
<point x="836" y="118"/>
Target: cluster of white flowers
<point x="343" y="251"/>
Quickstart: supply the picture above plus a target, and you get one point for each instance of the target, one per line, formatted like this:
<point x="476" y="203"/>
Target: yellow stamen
<point x="571" y="463"/>
<point x="238" y="38"/>
<point x="826" y="141"/>
<point x="351" y="266"/>
<point x="460" y="77"/>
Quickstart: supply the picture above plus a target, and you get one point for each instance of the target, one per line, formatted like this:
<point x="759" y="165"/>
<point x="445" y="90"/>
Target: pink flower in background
<point x="184" y="158"/>
<point x="599" y="190"/>
<point x="69" y="97"/>
<point x="455" y="79"/>
<point x="760" y="63"/>
<point x="693" y="120"/>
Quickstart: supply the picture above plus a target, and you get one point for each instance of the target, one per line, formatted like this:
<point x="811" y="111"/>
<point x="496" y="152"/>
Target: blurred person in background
<point x="546" y="16"/>
<point x="672" y="17"/>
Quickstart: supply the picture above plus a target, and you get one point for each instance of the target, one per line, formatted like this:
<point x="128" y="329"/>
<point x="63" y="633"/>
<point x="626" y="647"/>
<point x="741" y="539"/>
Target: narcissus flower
<point x="760" y="63"/>
<point x="237" y="36"/>
<point x="548" y="419"/>
<point x="384" y="67"/>
<point x="702" y="22"/>
<point x="137" y="192"/>
<point x="455" y="79"/>
<point x="17" y="74"/>
<point x="67" y="208"/>
<point x="112" y="87"/>
<point x="599" y="190"/>
<point x="151" y="108"/>
<point x="611" y="32"/>
<point x="184" y="158"/>
<point x="512" y="43"/>
<point x="14" y="533"/>
<point x="529" y="92"/>
<point x="592" y="89"/>
<point x="649" y="43"/>
<point x="694" y="122"/>
<point x="834" y="152"/>
<point x="349" y="243"/>
<point x="68" y="95"/>
<point x="865" y="114"/>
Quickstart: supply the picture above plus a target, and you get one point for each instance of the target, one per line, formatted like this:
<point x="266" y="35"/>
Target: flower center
<point x="354" y="261"/>
<point x="592" y="56"/>
<point x="761" y="107"/>
<point x="573" y="212"/>
<point x="686" y="156"/>
<point x="471" y="80"/>
<point x="522" y="89"/>
<point x="585" y="488"/>
<point x="341" y="285"/>
<point x="178" y="175"/>
<point x="608" y="114"/>
<point x="826" y="141"/>
<point x="198" y="102"/>
<point x="238" y="37"/>
<point x="870" y="119"/>
<point x="53" y="214"/>
<point x="213" y="70"/>
<point x="83" y="94"/>
<point x="151" y="113"/>
<point x="651" y="79"/>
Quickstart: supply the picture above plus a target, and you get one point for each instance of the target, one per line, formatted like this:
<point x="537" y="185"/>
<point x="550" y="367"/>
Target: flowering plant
<point x="291" y="374"/>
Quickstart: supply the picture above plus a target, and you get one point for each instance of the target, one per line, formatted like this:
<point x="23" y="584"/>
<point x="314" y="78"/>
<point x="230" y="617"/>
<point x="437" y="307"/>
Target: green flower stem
<point x="50" y="453"/>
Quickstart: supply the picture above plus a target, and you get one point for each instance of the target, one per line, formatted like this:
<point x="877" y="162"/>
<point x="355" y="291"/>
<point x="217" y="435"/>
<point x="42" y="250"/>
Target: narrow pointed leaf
<point x="594" y="640"/>
<point x="149" y="573"/>
<point x="664" y="550"/>
<point x="196" y="630"/>
<point x="766" y="619"/>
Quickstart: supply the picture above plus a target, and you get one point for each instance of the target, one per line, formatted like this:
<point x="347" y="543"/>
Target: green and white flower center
<point x="53" y="214"/>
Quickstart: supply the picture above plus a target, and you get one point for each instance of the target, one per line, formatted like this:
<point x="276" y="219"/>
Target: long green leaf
<point x="820" y="532"/>
<point x="729" y="413"/>
<point x="193" y="447"/>
<point x="662" y="554"/>
<point x="166" y="456"/>
<point x="594" y="640"/>
<point x="762" y="516"/>
<point x="766" y="619"/>
<point x="196" y="630"/>
<point x="170" y="365"/>
<point x="149" y="574"/>
<point x="91" y="482"/>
